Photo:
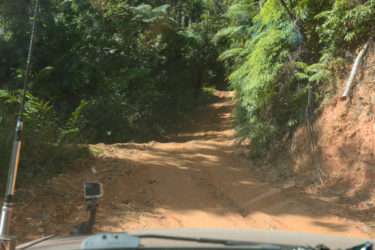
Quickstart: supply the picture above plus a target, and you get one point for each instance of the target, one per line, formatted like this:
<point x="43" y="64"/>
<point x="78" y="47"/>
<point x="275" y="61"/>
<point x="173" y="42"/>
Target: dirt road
<point x="193" y="178"/>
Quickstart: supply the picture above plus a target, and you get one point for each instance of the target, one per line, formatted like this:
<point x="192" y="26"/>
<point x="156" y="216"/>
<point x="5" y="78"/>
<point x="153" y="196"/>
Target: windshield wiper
<point x="213" y="241"/>
<point x="127" y="241"/>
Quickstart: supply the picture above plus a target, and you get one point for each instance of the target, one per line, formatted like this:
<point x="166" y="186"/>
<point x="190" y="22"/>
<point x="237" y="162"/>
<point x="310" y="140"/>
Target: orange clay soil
<point x="194" y="177"/>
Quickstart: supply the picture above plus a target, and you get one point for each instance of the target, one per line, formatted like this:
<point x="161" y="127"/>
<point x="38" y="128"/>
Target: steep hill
<point x="344" y="135"/>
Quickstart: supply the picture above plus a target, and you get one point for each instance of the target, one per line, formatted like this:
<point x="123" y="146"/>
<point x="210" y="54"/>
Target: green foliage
<point x="271" y="59"/>
<point x="346" y="23"/>
<point x="72" y="125"/>
<point x="38" y="113"/>
<point x="313" y="73"/>
<point x="234" y="52"/>
<point x="135" y="62"/>
<point x="137" y="65"/>
<point x="255" y="77"/>
<point x="43" y="152"/>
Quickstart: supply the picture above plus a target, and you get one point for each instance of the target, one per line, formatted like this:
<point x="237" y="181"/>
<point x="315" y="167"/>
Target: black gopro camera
<point x="93" y="190"/>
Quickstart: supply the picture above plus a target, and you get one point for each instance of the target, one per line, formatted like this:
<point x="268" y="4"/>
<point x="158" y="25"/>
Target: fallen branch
<point x="354" y="70"/>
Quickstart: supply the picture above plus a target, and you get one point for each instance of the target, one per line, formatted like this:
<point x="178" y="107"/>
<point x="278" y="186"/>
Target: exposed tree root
<point x="319" y="170"/>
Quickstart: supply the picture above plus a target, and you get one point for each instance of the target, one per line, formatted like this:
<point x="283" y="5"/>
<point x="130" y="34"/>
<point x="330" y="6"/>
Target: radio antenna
<point x="8" y="204"/>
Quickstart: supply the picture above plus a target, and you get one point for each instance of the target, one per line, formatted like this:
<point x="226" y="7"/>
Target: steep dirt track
<point x="193" y="178"/>
<point x="197" y="178"/>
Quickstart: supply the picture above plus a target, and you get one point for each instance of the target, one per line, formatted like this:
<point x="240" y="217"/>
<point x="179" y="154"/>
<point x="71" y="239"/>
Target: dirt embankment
<point x="344" y="135"/>
<point x="195" y="177"/>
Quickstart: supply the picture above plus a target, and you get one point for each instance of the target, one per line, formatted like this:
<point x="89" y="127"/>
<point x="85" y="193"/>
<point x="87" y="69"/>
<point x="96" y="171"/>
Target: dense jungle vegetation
<point x="120" y="70"/>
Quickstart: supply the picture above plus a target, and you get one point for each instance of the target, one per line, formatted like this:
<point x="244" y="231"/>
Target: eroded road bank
<point x="196" y="177"/>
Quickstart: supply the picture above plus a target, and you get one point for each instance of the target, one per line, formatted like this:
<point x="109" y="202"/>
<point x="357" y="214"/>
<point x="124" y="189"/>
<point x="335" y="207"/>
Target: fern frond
<point x="231" y="53"/>
<point x="230" y="32"/>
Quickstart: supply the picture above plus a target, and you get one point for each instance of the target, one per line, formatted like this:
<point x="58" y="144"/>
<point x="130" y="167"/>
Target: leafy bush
<point x="260" y="55"/>
<point x="44" y="153"/>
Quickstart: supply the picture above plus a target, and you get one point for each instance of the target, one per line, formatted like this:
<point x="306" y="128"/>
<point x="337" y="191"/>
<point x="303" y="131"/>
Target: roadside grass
<point x="95" y="150"/>
<point x="41" y="161"/>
